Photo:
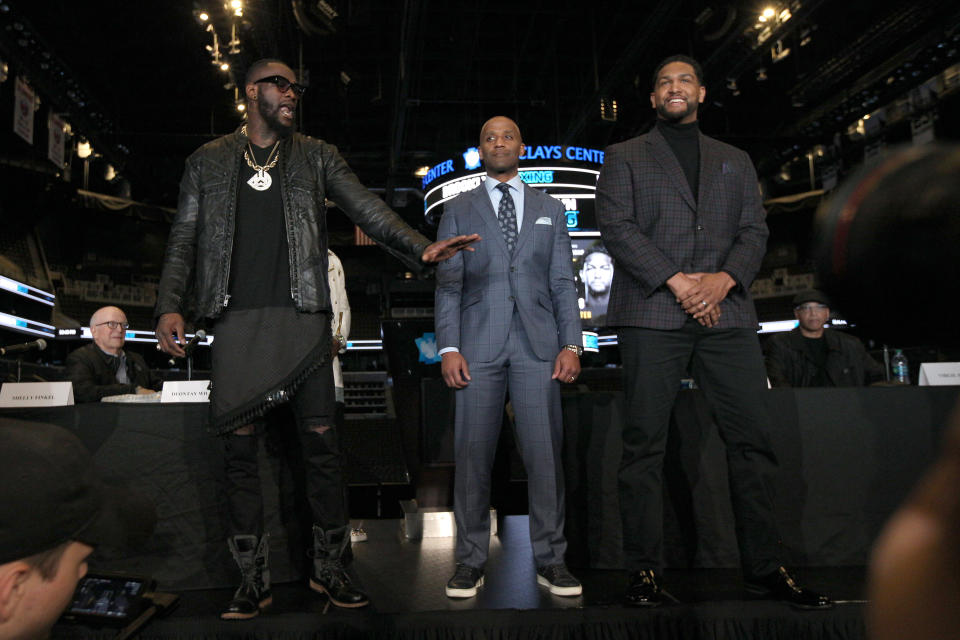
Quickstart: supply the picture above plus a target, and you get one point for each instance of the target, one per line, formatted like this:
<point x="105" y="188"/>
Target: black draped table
<point x="166" y="453"/>
<point x="847" y="458"/>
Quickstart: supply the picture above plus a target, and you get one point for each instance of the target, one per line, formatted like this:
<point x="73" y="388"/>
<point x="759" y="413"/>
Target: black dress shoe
<point x="644" y="589"/>
<point x="780" y="585"/>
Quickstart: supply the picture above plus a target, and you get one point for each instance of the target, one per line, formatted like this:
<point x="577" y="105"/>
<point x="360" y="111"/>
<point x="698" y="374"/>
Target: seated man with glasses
<point x="812" y="356"/>
<point x="103" y="368"/>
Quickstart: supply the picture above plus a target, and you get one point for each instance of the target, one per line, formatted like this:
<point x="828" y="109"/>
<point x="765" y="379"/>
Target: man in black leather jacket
<point x="814" y="356"/>
<point x="248" y="253"/>
<point x="104" y="368"/>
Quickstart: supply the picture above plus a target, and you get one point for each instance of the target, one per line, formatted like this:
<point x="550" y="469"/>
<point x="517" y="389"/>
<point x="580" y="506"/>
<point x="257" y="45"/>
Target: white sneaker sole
<point x="559" y="591"/>
<point x="463" y="593"/>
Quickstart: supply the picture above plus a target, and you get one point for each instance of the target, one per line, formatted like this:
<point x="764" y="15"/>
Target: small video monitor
<point x="107" y="599"/>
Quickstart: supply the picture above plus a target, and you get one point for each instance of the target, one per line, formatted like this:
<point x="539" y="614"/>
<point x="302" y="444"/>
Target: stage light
<point x="204" y="16"/>
<point x="421" y="171"/>
<point x="241" y="107"/>
<point x="768" y="13"/>
<point x="84" y="150"/>
<point x="225" y="66"/>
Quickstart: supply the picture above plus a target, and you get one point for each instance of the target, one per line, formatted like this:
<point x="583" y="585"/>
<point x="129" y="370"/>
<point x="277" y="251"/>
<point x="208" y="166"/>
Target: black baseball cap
<point x="50" y="493"/>
<point x="812" y="295"/>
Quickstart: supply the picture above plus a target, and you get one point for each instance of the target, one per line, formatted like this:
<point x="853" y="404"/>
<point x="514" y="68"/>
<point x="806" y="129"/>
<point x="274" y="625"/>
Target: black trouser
<point x="313" y="405"/>
<point x="728" y="365"/>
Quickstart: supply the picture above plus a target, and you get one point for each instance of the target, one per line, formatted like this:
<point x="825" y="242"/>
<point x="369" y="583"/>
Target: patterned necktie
<point x="507" y="215"/>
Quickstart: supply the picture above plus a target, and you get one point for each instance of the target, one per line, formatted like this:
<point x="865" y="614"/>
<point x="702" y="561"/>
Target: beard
<point x="271" y="117"/>
<point x="676" y="116"/>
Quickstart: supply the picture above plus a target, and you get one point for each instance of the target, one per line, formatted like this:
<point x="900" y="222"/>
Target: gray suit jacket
<point x="477" y="291"/>
<point x="654" y="228"/>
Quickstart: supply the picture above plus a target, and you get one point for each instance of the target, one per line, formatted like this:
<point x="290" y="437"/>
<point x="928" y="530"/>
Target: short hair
<point x="256" y="67"/>
<point x="679" y="57"/>
<point x="47" y="563"/>
<point x="596" y="247"/>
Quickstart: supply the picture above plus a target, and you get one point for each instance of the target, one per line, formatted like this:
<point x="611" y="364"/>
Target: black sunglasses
<point x="283" y="84"/>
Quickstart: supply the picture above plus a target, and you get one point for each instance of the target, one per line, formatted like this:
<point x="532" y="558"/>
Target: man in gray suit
<point x="681" y="215"/>
<point x="507" y="318"/>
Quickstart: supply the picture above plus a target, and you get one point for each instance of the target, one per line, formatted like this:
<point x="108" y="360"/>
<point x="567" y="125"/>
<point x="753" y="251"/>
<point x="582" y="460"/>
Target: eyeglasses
<point x="113" y="324"/>
<point x="283" y="84"/>
<point x="806" y="308"/>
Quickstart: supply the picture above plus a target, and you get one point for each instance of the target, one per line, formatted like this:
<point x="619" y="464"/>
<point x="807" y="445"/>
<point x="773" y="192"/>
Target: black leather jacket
<point x="197" y="264"/>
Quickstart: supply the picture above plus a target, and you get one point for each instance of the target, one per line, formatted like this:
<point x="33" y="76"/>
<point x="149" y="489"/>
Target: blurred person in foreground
<point x="54" y="511"/>
<point x="905" y="204"/>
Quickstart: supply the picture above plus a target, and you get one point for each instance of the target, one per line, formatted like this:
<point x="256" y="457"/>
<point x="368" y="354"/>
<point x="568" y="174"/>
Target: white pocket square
<point x="544" y="220"/>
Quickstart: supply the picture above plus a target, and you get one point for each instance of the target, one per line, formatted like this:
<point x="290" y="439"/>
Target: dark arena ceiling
<point x="399" y="84"/>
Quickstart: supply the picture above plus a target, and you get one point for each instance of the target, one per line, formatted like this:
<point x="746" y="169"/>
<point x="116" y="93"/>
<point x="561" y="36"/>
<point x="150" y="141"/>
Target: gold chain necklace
<point x="261" y="180"/>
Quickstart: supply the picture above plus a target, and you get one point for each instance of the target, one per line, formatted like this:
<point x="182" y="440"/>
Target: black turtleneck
<point x="684" y="140"/>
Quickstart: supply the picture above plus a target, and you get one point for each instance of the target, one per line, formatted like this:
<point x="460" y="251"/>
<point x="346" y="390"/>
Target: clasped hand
<point x="700" y="294"/>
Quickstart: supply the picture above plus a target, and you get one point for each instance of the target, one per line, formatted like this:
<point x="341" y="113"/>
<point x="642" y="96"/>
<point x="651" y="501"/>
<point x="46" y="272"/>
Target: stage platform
<point x="405" y="582"/>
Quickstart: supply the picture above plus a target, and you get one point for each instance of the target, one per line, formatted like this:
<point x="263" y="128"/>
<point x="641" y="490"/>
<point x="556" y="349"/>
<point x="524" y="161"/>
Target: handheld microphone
<point x="39" y="344"/>
<point x="197" y="338"/>
<point x="188" y="348"/>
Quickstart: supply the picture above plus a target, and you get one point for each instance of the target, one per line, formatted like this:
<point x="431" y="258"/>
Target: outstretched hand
<point x="444" y="249"/>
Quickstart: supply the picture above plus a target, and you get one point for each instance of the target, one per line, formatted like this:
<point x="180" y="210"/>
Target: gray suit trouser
<point x="539" y="429"/>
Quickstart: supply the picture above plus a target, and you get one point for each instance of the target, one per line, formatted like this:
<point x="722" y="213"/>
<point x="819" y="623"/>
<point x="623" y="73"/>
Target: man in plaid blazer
<point x="681" y="214"/>
<point x="507" y="318"/>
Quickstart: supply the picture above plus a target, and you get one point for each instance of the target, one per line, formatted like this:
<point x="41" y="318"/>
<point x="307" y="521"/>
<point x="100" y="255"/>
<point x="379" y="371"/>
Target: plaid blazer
<point x="654" y="228"/>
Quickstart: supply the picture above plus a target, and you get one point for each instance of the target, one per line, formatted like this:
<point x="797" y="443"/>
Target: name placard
<point x="36" y="394"/>
<point x="939" y="374"/>
<point x="185" y="391"/>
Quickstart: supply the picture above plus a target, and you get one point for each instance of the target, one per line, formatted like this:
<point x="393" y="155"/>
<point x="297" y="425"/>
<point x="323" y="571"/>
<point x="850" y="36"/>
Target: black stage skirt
<point x="260" y="358"/>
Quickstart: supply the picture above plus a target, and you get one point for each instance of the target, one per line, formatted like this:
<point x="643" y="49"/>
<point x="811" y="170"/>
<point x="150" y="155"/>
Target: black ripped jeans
<point x="313" y="405"/>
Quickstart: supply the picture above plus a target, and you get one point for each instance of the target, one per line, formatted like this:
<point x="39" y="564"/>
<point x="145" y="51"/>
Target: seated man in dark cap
<point x="53" y="512"/>
<point x="813" y="356"/>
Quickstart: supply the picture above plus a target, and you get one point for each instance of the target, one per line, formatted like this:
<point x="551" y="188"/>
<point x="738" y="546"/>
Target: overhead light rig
<point x="223" y="21"/>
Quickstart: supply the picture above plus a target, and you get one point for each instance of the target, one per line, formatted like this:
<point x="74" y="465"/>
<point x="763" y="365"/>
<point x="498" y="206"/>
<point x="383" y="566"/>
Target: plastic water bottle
<point x="901" y="371"/>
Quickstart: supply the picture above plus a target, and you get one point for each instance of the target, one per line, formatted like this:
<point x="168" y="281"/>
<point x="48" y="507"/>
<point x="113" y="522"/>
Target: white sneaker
<point x="357" y="534"/>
